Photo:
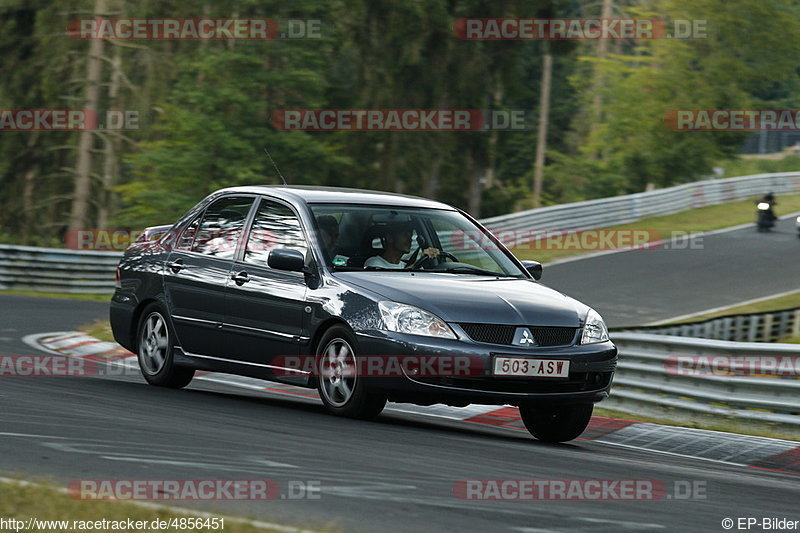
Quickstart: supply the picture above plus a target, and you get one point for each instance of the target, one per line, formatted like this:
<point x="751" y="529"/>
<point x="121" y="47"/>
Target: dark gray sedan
<point x="367" y="297"/>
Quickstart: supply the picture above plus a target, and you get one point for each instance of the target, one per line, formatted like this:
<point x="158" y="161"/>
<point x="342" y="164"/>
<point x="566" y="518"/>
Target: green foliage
<point x="725" y="70"/>
<point x="746" y="166"/>
<point x="206" y="107"/>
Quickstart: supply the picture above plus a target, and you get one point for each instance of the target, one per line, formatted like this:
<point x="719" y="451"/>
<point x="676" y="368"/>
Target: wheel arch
<point x="136" y="317"/>
<point x="319" y="333"/>
<point x="323" y="328"/>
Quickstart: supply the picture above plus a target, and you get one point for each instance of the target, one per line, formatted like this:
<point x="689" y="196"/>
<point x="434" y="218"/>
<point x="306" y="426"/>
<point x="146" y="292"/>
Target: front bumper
<point x="591" y="372"/>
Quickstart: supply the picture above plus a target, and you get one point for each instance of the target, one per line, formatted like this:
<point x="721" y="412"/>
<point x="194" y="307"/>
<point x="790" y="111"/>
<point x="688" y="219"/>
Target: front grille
<point x="504" y="334"/>
<point x="491" y="333"/>
<point x="553" y="336"/>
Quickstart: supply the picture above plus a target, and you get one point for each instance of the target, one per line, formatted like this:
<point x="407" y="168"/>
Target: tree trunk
<point x="83" y="172"/>
<point x="494" y="135"/>
<point x="475" y="177"/>
<point x="29" y="192"/>
<point x="27" y="204"/>
<point x="544" y="116"/>
<point x="111" y="148"/>
<point x="602" y="53"/>
<point x="432" y="183"/>
<point x="390" y="164"/>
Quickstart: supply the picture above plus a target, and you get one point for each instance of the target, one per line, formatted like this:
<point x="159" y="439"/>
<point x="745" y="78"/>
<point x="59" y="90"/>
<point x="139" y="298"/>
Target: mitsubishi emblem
<point x="523" y="337"/>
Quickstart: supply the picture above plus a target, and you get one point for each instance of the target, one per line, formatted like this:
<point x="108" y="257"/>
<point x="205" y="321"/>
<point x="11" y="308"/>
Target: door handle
<point x="240" y="278"/>
<point x="176" y="266"/>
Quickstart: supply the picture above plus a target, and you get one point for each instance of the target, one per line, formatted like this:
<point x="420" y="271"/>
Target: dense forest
<point x="204" y="108"/>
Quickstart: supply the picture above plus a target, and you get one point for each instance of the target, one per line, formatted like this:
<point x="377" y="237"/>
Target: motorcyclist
<point x="766" y="215"/>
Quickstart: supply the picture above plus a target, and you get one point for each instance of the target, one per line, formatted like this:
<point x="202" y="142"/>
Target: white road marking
<point x="31" y="436"/>
<point x="35" y="340"/>
<point x="674" y="454"/>
<point x="272" y="464"/>
<point x="638" y="526"/>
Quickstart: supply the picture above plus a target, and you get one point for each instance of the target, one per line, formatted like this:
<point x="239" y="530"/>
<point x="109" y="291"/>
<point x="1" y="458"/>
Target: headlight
<point x="404" y="318"/>
<point x="595" y="329"/>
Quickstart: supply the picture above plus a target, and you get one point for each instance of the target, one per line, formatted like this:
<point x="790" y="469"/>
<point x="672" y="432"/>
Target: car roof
<point x="312" y="194"/>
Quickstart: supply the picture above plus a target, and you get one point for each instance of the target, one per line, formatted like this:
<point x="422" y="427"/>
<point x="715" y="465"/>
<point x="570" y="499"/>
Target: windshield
<point x="374" y="238"/>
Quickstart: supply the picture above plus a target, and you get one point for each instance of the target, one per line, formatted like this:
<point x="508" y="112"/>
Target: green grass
<point x="788" y="161"/>
<point x="99" y="329"/>
<point x="43" y="501"/>
<point x="693" y="220"/>
<point x="61" y="295"/>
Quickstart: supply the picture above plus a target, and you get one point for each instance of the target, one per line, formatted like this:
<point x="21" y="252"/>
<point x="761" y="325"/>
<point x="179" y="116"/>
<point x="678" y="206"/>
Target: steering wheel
<point x="448" y="255"/>
<point x="427" y="260"/>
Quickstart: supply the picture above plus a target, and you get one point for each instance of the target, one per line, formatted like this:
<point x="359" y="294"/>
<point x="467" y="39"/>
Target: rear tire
<point x="154" y="350"/>
<point x="341" y="389"/>
<point x="556" y="423"/>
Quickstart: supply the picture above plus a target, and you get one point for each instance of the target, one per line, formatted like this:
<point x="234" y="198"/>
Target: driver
<point x="396" y="243"/>
<point x="329" y="233"/>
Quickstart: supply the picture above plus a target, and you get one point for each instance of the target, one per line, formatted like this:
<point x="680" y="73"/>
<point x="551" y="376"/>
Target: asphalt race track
<point x="643" y="286"/>
<point x="397" y="473"/>
<point x="394" y="474"/>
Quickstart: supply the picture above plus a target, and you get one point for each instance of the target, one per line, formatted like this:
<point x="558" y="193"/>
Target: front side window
<point x="358" y="237"/>
<point x="221" y="227"/>
<point x="187" y="235"/>
<point x="275" y="226"/>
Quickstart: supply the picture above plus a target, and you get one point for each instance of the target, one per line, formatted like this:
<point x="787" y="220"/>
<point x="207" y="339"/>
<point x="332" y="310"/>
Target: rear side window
<point x="221" y="227"/>
<point x="274" y="226"/>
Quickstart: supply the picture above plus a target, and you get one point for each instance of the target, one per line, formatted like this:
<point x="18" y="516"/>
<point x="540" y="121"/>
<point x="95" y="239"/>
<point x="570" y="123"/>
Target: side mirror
<point x="286" y="259"/>
<point x="534" y="268"/>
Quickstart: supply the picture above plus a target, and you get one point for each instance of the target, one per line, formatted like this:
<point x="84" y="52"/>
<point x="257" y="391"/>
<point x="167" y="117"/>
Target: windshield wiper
<point x="474" y="270"/>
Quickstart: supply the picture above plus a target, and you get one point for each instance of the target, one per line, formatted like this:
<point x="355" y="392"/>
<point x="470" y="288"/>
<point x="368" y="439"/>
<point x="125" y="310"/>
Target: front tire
<point x="154" y="349"/>
<point x="559" y="423"/>
<point x="341" y="389"/>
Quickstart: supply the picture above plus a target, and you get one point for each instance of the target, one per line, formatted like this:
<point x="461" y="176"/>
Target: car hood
<point x="468" y="298"/>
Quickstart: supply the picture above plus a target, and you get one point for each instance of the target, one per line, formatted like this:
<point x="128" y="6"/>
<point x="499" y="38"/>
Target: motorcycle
<point x="765" y="218"/>
<point x="797" y="225"/>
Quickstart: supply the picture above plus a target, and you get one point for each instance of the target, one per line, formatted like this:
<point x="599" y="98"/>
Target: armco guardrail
<point x="51" y="269"/>
<point x="57" y="270"/>
<point x="633" y="207"/>
<point x="645" y="379"/>
<point x="767" y="326"/>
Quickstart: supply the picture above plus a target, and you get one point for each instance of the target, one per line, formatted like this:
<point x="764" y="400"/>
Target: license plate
<point x="523" y="366"/>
